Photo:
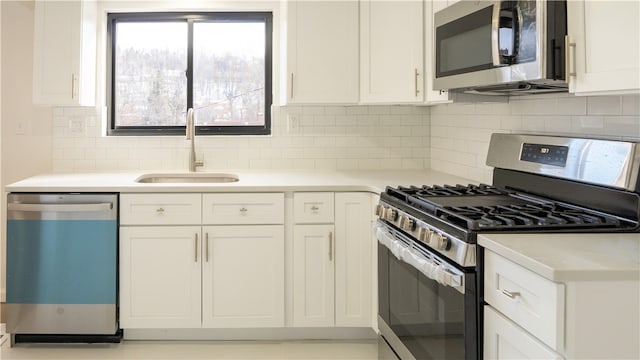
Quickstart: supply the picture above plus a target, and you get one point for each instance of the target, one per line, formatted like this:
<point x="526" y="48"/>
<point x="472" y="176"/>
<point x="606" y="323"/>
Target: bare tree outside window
<point x="228" y="73"/>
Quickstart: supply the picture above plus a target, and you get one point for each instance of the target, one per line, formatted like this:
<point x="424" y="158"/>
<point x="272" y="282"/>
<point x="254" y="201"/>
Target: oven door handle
<point x="432" y="269"/>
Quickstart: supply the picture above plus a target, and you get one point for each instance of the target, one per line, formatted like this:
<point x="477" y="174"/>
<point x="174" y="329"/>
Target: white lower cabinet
<point x="243" y="276"/>
<point x="160" y="277"/>
<point x="313" y="275"/>
<point x="529" y="316"/>
<point x="194" y="276"/>
<point x="503" y="339"/>
<point x="215" y="261"/>
<point x="332" y="261"/>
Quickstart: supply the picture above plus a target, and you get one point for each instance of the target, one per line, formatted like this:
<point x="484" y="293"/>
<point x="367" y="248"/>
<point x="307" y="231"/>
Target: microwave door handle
<point x="517" y="33"/>
<point x="495" y="34"/>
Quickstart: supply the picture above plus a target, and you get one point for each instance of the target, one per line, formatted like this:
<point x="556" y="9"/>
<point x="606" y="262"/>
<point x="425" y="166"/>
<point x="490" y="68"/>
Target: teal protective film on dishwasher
<point x="61" y="261"/>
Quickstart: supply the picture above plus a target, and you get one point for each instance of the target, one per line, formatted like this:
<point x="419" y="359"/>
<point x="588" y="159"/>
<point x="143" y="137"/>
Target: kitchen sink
<point x="188" y="178"/>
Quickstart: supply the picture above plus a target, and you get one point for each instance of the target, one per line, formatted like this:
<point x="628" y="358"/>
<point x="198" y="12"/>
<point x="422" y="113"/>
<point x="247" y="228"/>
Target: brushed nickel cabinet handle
<point x="415" y="78"/>
<point x="330" y="245"/>
<point x="569" y="58"/>
<point x="511" y="294"/>
<point x="207" y="246"/>
<point x="291" y="85"/>
<point x="73" y="85"/>
<point x="196" y="243"/>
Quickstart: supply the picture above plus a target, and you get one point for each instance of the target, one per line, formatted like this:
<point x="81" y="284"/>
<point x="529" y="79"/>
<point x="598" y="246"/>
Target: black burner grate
<point x="486" y="207"/>
<point x="546" y="215"/>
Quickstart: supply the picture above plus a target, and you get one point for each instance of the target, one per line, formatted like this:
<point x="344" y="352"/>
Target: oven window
<point x="433" y="321"/>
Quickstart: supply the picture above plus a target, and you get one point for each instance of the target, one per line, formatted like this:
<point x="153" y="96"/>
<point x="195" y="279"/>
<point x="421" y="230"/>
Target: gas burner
<point x="528" y="216"/>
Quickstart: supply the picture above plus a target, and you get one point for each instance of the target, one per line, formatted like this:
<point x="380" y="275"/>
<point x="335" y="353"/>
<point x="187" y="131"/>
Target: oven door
<point x="484" y="43"/>
<point x="427" y="307"/>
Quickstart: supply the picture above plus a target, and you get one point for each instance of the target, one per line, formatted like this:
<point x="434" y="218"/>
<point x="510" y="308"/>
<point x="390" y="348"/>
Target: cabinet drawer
<point x="160" y="209"/>
<point x="505" y="340"/>
<point x="238" y="209"/>
<point x="528" y="299"/>
<point x="313" y="207"/>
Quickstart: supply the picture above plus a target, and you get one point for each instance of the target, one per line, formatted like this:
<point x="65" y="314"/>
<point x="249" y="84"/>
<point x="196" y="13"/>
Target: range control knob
<point x="424" y="234"/>
<point x="407" y="223"/>
<point x="380" y="210"/>
<point x="439" y="241"/>
<point x="391" y="215"/>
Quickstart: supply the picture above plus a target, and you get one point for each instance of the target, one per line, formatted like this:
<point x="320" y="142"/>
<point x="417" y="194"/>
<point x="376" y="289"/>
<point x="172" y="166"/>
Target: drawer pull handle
<point x="511" y="294"/>
<point x="243" y="210"/>
<point x="315" y="208"/>
<point x="160" y="211"/>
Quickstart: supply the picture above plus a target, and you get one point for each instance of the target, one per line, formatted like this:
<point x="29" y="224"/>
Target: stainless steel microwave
<point x="501" y="47"/>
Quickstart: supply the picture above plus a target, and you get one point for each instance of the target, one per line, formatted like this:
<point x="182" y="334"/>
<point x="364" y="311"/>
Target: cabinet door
<point x="64" y="53"/>
<point x="354" y="243"/>
<point x="243" y="276"/>
<point x="391" y="62"/>
<point x="606" y="57"/>
<point x="432" y="96"/>
<point x="313" y="275"/>
<point x="503" y="339"/>
<point x="322" y="52"/>
<point x="160" y="271"/>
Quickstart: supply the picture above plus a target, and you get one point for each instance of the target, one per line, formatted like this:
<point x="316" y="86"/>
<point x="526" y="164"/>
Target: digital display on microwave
<point x="545" y="154"/>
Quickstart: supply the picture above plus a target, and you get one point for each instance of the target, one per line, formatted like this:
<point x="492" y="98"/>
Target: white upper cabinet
<point x="321" y="52"/>
<point x="431" y="96"/>
<point x="605" y="58"/>
<point x="64" y="63"/>
<point x="391" y="51"/>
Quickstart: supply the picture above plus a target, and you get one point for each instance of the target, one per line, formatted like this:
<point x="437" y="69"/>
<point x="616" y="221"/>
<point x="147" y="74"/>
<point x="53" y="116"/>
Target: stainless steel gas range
<point x="429" y="267"/>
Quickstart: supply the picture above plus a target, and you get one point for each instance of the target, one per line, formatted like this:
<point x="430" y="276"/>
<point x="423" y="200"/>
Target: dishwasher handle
<point x="81" y="207"/>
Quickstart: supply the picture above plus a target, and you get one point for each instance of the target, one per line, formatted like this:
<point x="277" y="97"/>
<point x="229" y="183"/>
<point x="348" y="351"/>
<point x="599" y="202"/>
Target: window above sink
<point x="161" y="64"/>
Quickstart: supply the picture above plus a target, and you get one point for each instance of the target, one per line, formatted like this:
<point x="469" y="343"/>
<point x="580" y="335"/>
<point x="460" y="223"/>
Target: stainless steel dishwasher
<point x="62" y="267"/>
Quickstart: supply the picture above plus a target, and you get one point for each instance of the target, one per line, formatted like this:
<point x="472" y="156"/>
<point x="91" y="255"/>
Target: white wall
<point x="460" y="133"/>
<point x="26" y="130"/>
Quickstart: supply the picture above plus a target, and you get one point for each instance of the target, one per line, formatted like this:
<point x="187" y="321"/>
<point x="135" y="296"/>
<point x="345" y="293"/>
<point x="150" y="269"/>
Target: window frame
<point x="190" y="18"/>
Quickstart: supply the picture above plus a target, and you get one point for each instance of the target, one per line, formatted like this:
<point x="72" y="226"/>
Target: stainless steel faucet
<point x="191" y="135"/>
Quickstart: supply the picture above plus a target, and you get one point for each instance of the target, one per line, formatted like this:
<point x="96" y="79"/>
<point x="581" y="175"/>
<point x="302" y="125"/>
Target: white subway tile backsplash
<point x="631" y="105"/>
<point x="623" y="126"/>
<point x="453" y="147"/>
<point x="557" y="124"/>
<point x="571" y="106"/>
<point x="584" y="125"/>
<point x="357" y="110"/>
<point x="452" y="138"/>
<point x="604" y="105"/>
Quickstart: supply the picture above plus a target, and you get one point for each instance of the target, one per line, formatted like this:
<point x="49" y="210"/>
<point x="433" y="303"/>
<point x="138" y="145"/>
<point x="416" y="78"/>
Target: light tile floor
<point x="185" y="350"/>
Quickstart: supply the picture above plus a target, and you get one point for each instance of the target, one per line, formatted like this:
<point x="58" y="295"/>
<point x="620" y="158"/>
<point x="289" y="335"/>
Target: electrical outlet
<point x="293" y="124"/>
<point x="20" y="128"/>
<point x="76" y="126"/>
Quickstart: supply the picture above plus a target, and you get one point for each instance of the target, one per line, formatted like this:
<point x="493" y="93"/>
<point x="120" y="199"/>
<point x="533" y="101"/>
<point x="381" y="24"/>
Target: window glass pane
<point x="229" y="73"/>
<point x="150" y="81"/>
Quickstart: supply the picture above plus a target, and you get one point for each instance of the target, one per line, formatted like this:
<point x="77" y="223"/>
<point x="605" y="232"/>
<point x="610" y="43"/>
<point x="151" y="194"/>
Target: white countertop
<point x="250" y="181"/>
<point x="571" y="257"/>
